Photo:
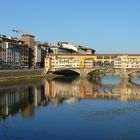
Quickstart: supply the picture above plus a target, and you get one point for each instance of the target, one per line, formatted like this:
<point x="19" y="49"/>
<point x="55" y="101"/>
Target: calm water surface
<point x="104" y="108"/>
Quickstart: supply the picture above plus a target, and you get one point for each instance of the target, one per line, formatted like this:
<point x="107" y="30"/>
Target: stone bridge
<point x="127" y="73"/>
<point x="133" y="71"/>
<point x="80" y="63"/>
<point x="85" y="63"/>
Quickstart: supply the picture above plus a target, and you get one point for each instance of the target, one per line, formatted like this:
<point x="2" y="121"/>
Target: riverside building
<point x="13" y="53"/>
<point x="37" y="51"/>
<point x="76" y="48"/>
<point x="127" y="61"/>
<point x="56" y="49"/>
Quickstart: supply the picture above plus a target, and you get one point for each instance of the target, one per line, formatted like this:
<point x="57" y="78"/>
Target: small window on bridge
<point x="107" y="57"/>
<point x="99" y="57"/>
<point x="112" y="57"/>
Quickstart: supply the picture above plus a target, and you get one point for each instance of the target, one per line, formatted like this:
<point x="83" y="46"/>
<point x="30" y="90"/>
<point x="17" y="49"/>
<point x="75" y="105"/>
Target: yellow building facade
<point x="127" y="62"/>
<point x="83" y="61"/>
<point x="61" y="61"/>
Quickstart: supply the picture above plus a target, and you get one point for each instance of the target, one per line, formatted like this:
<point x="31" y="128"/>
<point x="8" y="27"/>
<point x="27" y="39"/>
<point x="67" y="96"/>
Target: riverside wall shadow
<point x="21" y="73"/>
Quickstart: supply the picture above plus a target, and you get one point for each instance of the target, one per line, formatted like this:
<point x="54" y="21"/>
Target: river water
<point x="97" y="108"/>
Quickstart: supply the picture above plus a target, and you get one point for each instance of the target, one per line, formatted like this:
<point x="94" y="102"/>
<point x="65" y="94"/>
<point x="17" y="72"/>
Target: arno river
<point x="99" y="108"/>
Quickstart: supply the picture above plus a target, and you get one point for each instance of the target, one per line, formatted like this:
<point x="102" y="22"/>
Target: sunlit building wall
<point x="127" y="62"/>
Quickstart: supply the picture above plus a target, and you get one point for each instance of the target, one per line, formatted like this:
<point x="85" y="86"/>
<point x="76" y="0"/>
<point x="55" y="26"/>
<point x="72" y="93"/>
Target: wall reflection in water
<point x="25" y="98"/>
<point x="22" y="99"/>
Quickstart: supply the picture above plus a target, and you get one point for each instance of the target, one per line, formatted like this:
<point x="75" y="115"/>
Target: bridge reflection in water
<point x="25" y="98"/>
<point x="83" y="89"/>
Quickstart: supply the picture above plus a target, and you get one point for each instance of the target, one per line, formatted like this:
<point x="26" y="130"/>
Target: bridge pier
<point x="123" y="73"/>
<point x="83" y="73"/>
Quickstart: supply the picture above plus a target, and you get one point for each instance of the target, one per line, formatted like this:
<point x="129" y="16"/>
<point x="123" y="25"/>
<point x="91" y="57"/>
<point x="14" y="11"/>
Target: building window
<point x="106" y="57"/>
<point x="99" y="57"/>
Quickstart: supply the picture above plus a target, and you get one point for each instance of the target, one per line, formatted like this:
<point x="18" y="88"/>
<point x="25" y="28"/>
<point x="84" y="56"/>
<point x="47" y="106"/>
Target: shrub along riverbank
<point x="51" y="76"/>
<point x="97" y="73"/>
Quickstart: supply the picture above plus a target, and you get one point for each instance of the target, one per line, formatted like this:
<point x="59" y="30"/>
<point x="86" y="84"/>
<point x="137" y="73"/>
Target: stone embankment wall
<point x="21" y="73"/>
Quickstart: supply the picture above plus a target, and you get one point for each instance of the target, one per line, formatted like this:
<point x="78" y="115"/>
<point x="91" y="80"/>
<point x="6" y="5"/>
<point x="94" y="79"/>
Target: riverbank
<point x="17" y="75"/>
<point x="17" y="78"/>
<point x="14" y="79"/>
<point x="19" y="81"/>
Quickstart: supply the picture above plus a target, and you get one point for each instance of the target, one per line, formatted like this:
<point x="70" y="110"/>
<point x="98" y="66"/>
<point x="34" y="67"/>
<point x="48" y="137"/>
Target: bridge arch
<point x="99" y="63"/>
<point x="133" y="71"/>
<point x="80" y="72"/>
<point x="107" y="63"/>
<point x="66" y="71"/>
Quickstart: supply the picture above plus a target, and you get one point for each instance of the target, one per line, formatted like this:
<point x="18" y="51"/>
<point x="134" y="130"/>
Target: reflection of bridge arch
<point x="81" y="88"/>
<point x="137" y="85"/>
<point x="121" y="83"/>
<point x="98" y="83"/>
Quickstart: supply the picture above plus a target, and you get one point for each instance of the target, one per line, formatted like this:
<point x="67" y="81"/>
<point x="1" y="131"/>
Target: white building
<point x="68" y="46"/>
<point x="39" y="51"/>
<point x="76" y="48"/>
<point x="126" y="61"/>
<point x="56" y="49"/>
<point x="13" y="52"/>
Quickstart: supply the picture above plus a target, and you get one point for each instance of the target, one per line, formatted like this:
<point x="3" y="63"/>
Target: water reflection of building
<point x="20" y="99"/>
<point x="25" y="99"/>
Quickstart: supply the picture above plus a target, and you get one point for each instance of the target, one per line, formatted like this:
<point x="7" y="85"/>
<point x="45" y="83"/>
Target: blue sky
<point x="108" y="26"/>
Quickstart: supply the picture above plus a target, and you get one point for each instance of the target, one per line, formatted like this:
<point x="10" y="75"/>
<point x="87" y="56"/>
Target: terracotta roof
<point x="11" y="39"/>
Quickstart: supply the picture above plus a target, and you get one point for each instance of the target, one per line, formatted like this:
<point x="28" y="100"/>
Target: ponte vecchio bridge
<point x="86" y="63"/>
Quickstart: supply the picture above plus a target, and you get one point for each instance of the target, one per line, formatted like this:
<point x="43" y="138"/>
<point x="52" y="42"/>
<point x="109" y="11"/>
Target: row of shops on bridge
<point x="116" y="61"/>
